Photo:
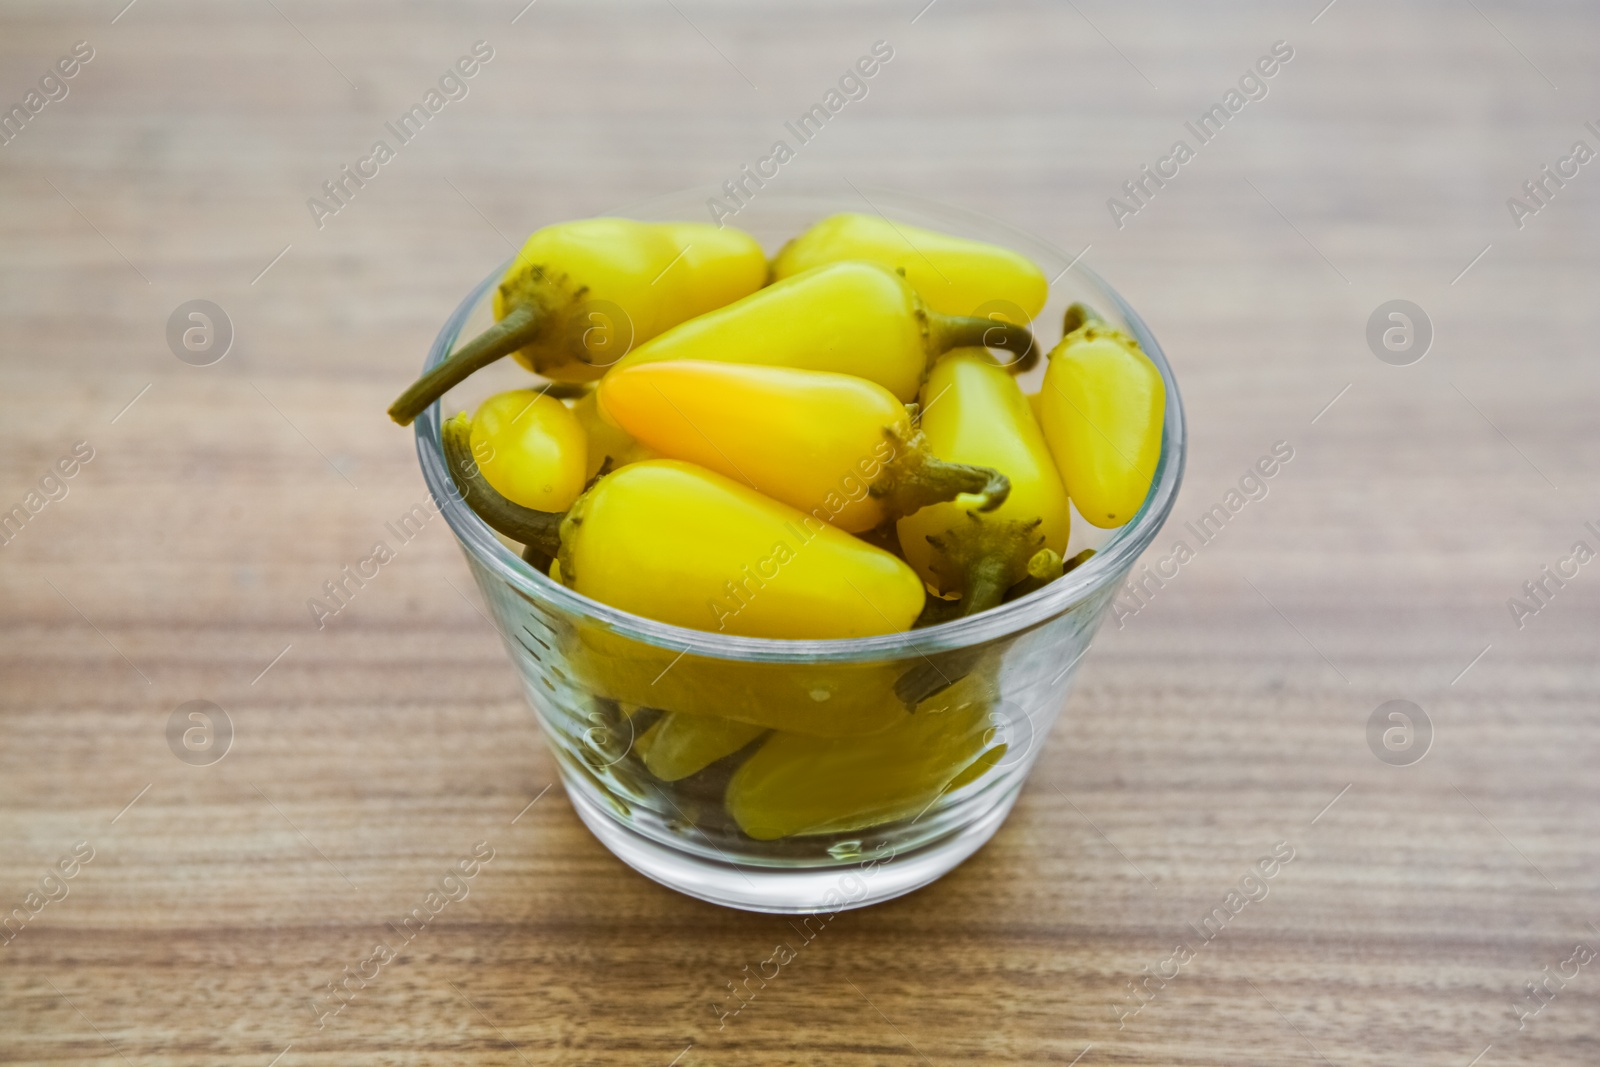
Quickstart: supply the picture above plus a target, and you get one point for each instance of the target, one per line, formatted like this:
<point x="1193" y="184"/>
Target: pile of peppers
<point x="831" y="445"/>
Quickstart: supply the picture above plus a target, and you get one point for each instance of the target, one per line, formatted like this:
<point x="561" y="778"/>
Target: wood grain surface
<point x="1227" y="715"/>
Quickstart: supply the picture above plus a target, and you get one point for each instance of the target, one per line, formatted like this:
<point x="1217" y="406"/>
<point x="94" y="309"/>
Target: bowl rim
<point x="1110" y="561"/>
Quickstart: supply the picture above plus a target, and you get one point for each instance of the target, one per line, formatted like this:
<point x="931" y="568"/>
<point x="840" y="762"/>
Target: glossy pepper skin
<point x="580" y="294"/>
<point x="847" y="318"/>
<point x="973" y="412"/>
<point x="836" y="446"/>
<point x="953" y="275"/>
<point x="795" y="785"/>
<point x="682" y="545"/>
<point x="531" y="448"/>
<point x="1101" y="409"/>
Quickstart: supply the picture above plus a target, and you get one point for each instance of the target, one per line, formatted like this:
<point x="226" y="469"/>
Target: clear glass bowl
<point x="902" y="754"/>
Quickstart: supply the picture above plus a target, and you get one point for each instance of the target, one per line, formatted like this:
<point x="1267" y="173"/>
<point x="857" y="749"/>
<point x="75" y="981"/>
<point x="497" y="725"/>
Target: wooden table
<point x="1226" y="716"/>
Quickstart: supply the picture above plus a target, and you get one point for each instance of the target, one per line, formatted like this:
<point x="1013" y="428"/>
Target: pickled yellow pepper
<point x="839" y="447"/>
<point x="973" y="412"/>
<point x="676" y="543"/>
<point x="685" y="546"/>
<point x="531" y="449"/>
<point x="953" y="275"/>
<point x="849" y="318"/>
<point x="796" y="784"/>
<point x="1101" y="410"/>
<point x="579" y="294"/>
<point x="679" y="745"/>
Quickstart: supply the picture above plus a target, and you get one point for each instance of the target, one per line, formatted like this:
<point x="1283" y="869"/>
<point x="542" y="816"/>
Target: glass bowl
<point x="863" y="768"/>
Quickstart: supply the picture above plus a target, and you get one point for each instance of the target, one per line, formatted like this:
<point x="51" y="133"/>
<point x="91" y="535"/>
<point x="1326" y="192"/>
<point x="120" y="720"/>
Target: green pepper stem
<point x="922" y="478"/>
<point x="521" y="325"/>
<point x="916" y="478"/>
<point x="535" y="557"/>
<point x="1078" y="315"/>
<point x="988" y="578"/>
<point x="934" y="611"/>
<point x="980" y="557"/>
<point x="538" y="529"/>
<point x="966" y="331"/>
<point x="930" y="677"/>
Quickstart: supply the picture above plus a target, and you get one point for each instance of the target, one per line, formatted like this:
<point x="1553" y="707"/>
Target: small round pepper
<point x="531" y="449"/>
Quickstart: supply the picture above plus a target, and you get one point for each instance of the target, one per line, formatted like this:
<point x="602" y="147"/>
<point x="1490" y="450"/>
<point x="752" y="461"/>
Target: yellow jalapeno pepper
<point x="849" y="318"/>
<point x="1101" y="409"/>
<point x="839" y="447"/>
<point x="682" y="545"/>
<point x="794" y="784"/>
<point x="679" y="745"/>
<point x="579" y="294"/>
<point x="953" y="275"/>
<point x="531" y="449"/>
<point x="973" y="412"/>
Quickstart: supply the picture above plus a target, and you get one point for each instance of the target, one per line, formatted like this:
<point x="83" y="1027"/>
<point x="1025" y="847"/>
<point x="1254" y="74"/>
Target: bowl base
<point x="790" y="890"/>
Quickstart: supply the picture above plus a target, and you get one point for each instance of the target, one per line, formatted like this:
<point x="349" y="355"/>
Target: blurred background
<point x="1441" y="902"/>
